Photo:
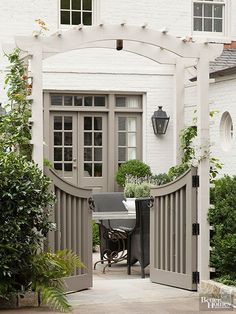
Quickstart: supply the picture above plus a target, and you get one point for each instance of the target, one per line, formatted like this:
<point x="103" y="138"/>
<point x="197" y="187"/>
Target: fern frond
<point x="55" y="298"/>
<point x="70" y="260"/>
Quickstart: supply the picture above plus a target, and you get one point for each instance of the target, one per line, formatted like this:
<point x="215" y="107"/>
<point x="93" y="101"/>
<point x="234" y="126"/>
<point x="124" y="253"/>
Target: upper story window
<point x="208" y="15"/>
<point x="75" y="12"/>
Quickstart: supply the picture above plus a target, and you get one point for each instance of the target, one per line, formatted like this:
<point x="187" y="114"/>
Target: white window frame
<point x="95" y="15"/>
<point x="226" y="131"/>
<point x="225" y="22"/>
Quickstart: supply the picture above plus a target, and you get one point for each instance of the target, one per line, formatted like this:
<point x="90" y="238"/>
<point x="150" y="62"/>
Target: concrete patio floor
<point x="117" y="293"/>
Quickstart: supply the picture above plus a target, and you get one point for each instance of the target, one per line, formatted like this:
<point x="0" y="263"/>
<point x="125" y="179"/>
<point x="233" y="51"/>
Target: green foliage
<point x="129" y="190"/>
<point x="133" y="167"/>
<point x="215" y="166"/>
<point x="187" y="136"/>
<point x="26" y="204"/>
<point x="15" y="131"/>
<point x="227" y="280"/>
<point x="48" y="269"/>
<point x="189" y="158"/>
<point x="137" y="190"/>
<point x="177" y="171"/>
<point x="142" y="190"/>
<point x="95" y="228"/>
<point x="223" y="218"/>
<point x="159" y="179"/>
<point x="24" y="221"/>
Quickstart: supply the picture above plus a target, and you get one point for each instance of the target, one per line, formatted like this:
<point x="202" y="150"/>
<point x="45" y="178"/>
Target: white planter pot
<point x="130" y="204"/>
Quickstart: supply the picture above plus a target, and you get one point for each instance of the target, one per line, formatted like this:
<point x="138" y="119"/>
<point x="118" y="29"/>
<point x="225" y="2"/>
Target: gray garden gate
<point x="173" y="232"/>
<point x="73" y="219"/>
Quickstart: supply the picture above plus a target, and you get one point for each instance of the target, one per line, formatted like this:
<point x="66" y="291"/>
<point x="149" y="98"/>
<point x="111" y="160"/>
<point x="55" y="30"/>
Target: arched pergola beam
<point x="155" y="54"/>
<point x="74" y="38"/>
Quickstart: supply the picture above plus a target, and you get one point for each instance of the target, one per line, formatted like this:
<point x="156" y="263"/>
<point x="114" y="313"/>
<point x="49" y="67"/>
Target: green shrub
<point x="223" y="218"/>
<point x="132" y="167"/>
<point x="24" y="221"/>
<point x="95" y="230"/>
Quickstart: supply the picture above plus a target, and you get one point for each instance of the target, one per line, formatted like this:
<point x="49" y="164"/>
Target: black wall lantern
<point x="160" y="121"/>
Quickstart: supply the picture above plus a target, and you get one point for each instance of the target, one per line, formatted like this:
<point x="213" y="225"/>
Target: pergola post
<point x="37" y="105"/>
<point x="203" y="141"/>
<point x="178" y="109"/>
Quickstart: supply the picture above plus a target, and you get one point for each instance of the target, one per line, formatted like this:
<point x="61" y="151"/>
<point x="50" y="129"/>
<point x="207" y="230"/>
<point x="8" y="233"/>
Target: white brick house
<point x="81" y="88"/>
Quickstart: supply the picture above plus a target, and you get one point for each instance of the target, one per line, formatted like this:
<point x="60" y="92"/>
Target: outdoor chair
<point x="112" y="233"/>
<point x="138" y="249"/>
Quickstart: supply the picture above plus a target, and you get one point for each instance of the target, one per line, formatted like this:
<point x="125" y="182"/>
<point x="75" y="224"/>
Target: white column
<point x="37" y="105"/>
<point x="203" y="141"/>
<point x="178" y="116"/>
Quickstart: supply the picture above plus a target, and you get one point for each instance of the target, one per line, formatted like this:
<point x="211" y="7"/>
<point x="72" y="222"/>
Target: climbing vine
<point x="189" y="153"/>
<point x="15" y="131"/>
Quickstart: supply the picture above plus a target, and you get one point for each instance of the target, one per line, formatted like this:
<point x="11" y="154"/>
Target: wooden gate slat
<point x="174" y="212"/>
<point x="73" y="219"/>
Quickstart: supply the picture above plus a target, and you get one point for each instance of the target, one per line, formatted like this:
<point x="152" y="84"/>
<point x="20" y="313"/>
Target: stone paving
<point x="117" y="293"/>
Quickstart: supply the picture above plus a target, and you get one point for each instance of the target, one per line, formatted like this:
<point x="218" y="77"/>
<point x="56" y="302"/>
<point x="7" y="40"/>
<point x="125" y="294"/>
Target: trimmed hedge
<point x="223" y="218"/>
<point x="133" y="167"/>
<point x="24" y="221"/>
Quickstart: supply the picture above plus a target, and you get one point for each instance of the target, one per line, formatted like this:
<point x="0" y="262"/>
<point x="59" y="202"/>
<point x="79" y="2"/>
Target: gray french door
<point x="64" y="138"/>
<point x="93" y="151"/>
<point x="79" y="148"/>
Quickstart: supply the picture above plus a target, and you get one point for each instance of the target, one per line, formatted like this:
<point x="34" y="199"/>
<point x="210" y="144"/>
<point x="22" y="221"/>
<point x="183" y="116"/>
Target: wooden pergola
<point x="158" y="46"/>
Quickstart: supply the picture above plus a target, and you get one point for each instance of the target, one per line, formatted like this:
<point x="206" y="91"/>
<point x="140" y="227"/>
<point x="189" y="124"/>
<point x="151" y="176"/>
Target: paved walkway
<point x="117" y="293"/>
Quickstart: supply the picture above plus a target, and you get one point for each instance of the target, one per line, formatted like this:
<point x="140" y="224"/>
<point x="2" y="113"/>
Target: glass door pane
<point x="93" y="150"/>
<point x="64" y="152"/>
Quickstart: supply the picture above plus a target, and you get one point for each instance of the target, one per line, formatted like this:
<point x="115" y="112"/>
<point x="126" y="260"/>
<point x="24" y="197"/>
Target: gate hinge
<point x="196" y="277"/>
<point x="196" y="229"/>
<point x="195" y="181"/>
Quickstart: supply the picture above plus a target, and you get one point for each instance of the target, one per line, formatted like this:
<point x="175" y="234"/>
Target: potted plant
<point x="134" y="190"/>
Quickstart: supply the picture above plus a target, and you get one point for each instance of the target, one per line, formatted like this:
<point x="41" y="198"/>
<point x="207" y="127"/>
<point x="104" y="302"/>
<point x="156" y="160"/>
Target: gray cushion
<point x="109" y="202"/>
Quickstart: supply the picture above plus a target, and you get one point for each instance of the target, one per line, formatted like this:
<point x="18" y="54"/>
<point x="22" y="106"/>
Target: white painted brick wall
<point x="17" y="16"/>
<point x="222" y="98"/>
<point x="92" y="70"/>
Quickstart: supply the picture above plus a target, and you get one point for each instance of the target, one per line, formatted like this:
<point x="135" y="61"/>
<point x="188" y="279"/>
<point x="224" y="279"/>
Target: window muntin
<point x="208" y="16"/>
<point x="75" y="12"/>
<point x="63" y="144"/>
<point x="79" y="100"/>
<point x="93" y="146"/>
<point x="127" y="139"/>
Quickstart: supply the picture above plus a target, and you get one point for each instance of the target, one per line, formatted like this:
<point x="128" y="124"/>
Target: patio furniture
<point x="138" y="249"/>
<point x="113" y="232"/>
